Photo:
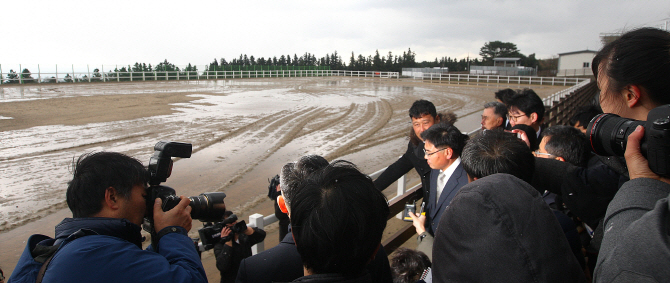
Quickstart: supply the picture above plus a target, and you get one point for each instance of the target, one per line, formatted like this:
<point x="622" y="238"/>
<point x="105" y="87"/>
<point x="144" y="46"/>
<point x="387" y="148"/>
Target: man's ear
<point x="112" y="198"/>
<point x="533" y="117"/>
<point x="499" y="121"/>
<point x="282" y="204"/>
<point x="449" y="152"/>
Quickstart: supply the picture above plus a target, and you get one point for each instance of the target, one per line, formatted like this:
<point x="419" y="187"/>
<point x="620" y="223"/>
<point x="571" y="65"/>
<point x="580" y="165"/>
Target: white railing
<point x="529" y="80"/>
<point x="549" y="101"/>
<point x="118" y="76"/>
<point x="260" y="221"/>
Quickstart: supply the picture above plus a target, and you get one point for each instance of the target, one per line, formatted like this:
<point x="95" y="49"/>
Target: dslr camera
<point x="608" y="134"/>
<point x="210" y="234"/>
<point x="206" y="207"/>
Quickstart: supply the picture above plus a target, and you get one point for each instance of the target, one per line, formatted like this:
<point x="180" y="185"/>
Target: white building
<point x="576" y="63"/>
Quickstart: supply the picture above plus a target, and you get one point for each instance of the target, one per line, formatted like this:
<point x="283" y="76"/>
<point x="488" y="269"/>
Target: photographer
<point x="102" y="242"/>
<point x="235" y="245"/>
<point x="632" y="74"/>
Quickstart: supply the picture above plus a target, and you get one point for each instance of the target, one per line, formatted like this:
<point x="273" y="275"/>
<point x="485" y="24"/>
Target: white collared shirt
<point x="445" y="177"/>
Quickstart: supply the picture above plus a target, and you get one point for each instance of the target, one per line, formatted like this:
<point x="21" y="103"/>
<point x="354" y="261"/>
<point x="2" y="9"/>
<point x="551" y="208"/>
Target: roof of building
<point x="506" y="59"/>
<point x="577" y="52"/>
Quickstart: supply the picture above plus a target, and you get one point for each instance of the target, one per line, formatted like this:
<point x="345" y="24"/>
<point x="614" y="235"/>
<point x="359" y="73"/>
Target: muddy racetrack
<point x="242" y="132"/>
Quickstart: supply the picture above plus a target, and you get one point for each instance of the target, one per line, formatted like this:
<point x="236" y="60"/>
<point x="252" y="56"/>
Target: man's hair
<point x="504" y="95"/>
<point x="528" y="102"/>
<point x="407" y="264"/>
<point x="494" y="152"/>
<point x="293" y="173"/>
<point x="444" y="134"/>
<point x="585" y="115"/>
<point x="449" y="117"/>
<point x="569" y="143"/>
<point x="498" y="108"/>
<point x="94" y="173"/>
<point x="338" y="217"/>
<point x="422" y="107"/>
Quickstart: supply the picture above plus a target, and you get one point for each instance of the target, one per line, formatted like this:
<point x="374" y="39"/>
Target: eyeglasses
<point x="434" y="152"/>
<point x="514" y="118"/>
<point x="537" y="153"/>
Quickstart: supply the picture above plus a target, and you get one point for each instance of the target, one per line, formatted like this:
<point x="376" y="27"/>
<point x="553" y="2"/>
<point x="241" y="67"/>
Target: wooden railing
<point x="567" y="106"/>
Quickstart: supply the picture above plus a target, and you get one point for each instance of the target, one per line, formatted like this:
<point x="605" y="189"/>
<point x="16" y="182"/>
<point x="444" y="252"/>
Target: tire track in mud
<point x="76" y="147"/>
<point x="239" y="130"/>
<point x="384" y="108"/>
<point x="330" y="122"/>
<point x="294" y="125"/>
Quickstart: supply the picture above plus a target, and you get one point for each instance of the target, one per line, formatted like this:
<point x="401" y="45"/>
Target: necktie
<point x="441" y="181"/>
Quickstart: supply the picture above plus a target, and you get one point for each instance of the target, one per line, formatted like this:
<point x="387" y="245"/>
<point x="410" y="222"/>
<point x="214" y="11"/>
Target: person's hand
<point x="224" y="234"/>
<point x="418" y="222"/>
<point x="522" y="136"/>
<point x="180" y="215"/>
<point x="638" y="166"/>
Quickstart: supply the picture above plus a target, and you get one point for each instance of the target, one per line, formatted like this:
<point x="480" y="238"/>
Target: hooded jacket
<point x="109" y="250"/>
<point x="499" y="229"/>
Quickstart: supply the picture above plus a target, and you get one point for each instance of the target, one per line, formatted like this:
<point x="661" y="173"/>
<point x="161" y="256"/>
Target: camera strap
<point x="76" y="235"/>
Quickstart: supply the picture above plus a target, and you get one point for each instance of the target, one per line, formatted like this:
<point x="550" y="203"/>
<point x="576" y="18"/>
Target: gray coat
<point x="636" y="244"/>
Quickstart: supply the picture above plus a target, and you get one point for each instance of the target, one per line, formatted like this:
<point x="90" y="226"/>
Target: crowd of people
<point x="516" y="202"/>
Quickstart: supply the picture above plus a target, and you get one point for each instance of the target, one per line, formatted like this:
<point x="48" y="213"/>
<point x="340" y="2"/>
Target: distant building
<point x="576" y="63"/>
<point x="424" y="72"/>
<point x="504" y="66"/>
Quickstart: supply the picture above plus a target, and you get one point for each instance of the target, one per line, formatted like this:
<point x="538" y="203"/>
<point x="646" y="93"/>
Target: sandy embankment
<point x="237" y="154"/>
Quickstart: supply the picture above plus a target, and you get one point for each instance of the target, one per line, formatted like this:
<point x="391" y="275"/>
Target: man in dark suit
<point x="283" y="263"/>
<point x="443" y="146"/>
<point x="423" y="115"/>
<point x="527" y="108"/>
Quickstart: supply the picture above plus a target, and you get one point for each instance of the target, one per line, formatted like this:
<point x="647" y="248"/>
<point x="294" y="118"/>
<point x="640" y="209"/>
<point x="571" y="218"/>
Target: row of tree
<point x="333" y="61"/>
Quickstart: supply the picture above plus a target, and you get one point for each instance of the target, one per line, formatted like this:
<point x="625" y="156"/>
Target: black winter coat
<point x="413" y="158"/>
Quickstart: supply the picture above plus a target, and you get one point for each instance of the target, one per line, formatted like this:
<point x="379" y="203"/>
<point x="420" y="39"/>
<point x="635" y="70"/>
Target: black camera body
<point x="608" y="134"/>
<point x="205" y="207"/>
<point x="210" y="234"/>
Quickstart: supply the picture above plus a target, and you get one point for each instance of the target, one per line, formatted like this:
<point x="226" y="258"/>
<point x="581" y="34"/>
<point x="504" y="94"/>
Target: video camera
<point x="608" y="134"/>
<point x="206" y="207"/>
<point x="210" y="234"/>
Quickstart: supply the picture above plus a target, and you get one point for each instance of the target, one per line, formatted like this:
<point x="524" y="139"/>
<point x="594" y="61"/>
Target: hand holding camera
<point x="180" y="215"/>
<point x="638" y="166"/>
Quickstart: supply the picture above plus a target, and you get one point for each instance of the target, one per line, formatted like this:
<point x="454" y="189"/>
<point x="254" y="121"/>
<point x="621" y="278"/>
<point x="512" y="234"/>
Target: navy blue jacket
<point x="111" y="251"/>
<point x="434" y="209"/>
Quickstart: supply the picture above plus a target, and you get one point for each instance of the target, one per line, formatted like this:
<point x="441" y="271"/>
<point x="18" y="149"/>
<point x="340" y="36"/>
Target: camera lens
<point x="608" y="133"/>
<point x="208" y="207"/>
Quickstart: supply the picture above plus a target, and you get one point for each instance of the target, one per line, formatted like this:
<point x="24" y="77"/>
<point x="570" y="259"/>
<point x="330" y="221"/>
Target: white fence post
<point x="400" y="191"/>
<point x="257" y="220"/>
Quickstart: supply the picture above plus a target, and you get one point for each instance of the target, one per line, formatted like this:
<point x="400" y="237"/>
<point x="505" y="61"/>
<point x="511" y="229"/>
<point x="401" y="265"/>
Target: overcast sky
<point x="124" y="32"/>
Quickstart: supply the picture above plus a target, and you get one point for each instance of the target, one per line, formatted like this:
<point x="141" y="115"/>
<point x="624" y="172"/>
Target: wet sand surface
<point x="242" y="132"/>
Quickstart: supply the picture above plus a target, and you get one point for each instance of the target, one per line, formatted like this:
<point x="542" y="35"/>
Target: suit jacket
<point x="413" y="158"/>
<point x="435" y="209"/>
<point x="282" y="263"/>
